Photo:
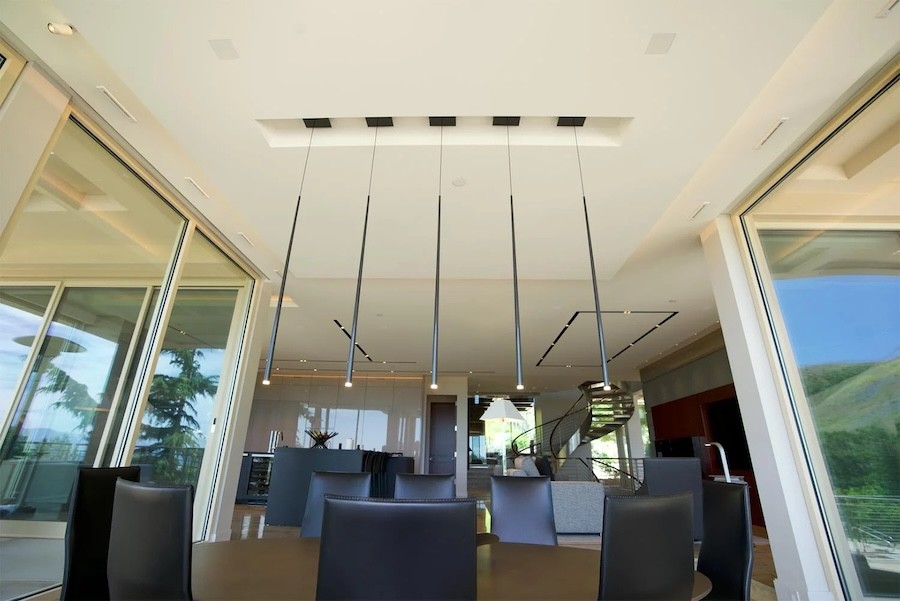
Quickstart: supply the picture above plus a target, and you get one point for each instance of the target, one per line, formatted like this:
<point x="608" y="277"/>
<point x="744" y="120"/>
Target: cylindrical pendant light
<point x="437" y="270"/>
<point x="267" y="372"/>
<point x="512" y="222"/>
<point x="587" y="225"/>
<point x="362" y="254"/>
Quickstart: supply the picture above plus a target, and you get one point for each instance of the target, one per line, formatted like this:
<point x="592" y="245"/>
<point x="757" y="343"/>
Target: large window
<point x="827" y="243"/>
<point x="121" y="325"/>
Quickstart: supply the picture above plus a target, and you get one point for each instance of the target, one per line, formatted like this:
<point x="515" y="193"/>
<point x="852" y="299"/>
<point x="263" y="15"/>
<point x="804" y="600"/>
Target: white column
<point x="796" y="534"/>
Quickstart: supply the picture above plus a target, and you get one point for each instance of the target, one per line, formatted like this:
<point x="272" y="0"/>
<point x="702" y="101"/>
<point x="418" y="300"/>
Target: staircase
<point x="596" y="413"/>
<point x="609" y="410"/>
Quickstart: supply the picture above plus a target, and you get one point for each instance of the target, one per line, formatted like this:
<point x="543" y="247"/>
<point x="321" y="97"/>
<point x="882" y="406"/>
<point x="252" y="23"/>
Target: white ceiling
<point x="665" y="133"/>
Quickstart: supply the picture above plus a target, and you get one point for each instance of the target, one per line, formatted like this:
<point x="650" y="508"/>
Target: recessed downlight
<point x="61" y="28"/>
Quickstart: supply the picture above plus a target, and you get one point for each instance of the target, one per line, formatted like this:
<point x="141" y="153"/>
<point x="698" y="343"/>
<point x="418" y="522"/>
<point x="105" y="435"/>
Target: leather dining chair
<point x="398" y="549"/>
<point x="674" y="475"/>
<point x="647" y="551"/>
<point x="347" y="484"/>
<point x="87" y="532"/>
<point x="150" y="542"/>
<point x="424" y="486"/>
<point x="522" y="510"/>
<point x="726" y="555"/>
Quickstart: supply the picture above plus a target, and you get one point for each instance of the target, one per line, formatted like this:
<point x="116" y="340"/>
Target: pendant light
<point x="577" y="122"/>
<point x="440" y="121"/>
<point x="267" y="372"/>
<point x="375" y="122"/>
<point x="507" y="121"/>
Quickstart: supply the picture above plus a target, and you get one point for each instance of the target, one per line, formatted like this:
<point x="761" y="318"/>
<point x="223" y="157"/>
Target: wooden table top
<point x="287" y="568"/>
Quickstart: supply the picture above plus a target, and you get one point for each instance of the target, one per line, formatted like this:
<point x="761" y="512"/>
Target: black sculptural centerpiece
<point x="320" y="438"/>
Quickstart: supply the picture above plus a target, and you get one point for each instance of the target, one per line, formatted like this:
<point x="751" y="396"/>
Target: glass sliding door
<point x="60" y="417"/>
<point x="22" y="310"/>
<point x="121" y="330"/>
<point x="826" y="243"/>
<point x="185" y="414"/>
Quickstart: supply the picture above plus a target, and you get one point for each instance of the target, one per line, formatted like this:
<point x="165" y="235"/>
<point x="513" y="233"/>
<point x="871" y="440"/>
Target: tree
<point x="170" y="422"/>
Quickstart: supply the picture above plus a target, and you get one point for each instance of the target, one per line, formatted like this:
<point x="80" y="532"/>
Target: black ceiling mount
<point x="437" y="121"/>
<point x="506" y="120"/>
<point x="570" y="122"/>
<point x="380" y="121"/>
<point x="317" y="122"/>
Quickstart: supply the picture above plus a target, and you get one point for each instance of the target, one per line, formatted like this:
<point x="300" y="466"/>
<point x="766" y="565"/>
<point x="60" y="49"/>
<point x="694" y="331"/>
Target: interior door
<point x="442" y="437"/>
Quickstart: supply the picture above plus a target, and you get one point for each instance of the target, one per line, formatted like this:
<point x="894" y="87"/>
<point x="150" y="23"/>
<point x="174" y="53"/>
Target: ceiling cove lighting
<point x="267" y="372"/>
<point x="587" y="225"/>
<point x="440" y="122"/>
<point x="507" y="122"/>
<point x="375" y="122"/>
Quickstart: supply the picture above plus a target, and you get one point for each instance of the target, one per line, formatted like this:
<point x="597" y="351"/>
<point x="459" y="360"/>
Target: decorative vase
<point x="320" y="438"/>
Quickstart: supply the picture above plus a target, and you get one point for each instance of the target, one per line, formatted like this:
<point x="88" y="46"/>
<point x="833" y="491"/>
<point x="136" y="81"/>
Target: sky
<point x="841" y="319"/>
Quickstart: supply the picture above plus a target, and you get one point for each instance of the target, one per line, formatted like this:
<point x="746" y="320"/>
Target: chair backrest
<point x="726" y="555"/>
<point x="345" y="484"/>
<point x="543" y="466"/>
<point x="522" y="510"/>
<point x="674" y="475"/>
<point x="150" y="542"/>
<point x="87" y="532"/>
<point x="424" y="486"/>
<point x="397" y="549"/>
<point x="647" y="551"/>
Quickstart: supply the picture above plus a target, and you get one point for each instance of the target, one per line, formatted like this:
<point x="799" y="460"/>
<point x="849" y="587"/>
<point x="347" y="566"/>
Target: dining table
<point x="287" y="568"/>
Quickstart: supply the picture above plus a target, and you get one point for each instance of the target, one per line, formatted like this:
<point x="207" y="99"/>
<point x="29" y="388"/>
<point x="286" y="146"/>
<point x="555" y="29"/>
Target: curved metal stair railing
<point x="595" y="413"/>
<point x="549" y="437"/>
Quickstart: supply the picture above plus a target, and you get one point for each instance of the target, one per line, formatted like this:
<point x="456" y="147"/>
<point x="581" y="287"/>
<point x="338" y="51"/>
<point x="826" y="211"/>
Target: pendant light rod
<point x="267" y="372"/>
<point x="437" y="270"/>
<point x="362" y="255"/>
<point x="512" y="222"/>
<point x="587" y="225"/>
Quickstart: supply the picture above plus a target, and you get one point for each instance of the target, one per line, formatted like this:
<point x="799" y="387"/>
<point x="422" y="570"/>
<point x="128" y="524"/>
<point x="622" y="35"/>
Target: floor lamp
<point x="504" y="411"/>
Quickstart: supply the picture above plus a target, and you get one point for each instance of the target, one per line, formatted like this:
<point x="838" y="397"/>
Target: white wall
<point x="31" y="113"/>
<point x="381" y="414"/>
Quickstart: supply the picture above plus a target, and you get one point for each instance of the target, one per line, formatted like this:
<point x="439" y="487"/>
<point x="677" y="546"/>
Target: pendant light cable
<point x="437" y="268"/>
<point x="362" y="254"/>
<point x="587" y="225"/>
<point x="512" y="221"/>
<point x="267" y="372"/>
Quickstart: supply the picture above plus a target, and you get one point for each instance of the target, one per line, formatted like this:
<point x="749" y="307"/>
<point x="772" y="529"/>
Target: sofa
<point x="577" y="505"/>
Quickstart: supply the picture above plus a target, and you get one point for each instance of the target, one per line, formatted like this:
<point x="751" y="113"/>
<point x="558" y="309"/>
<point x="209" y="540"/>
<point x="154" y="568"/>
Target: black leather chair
<point x="424" y="486"/>
<point x="87" y="532"/>
<point x="647" y="552"/>
<point x="397" y="549"/>
<point x="522" y="510"/>
<point x="347" y="484"/>
<point x="150" y="542"/>
<point x="674" y="475"/>
<point x="726" y="555"/>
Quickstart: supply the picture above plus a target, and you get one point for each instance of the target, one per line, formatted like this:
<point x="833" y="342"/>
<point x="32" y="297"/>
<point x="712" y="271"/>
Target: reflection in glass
<point x="179" y="409"/>
<point x="59" y="422"/>
<point x="841" y="308"/>
<point x="22" y="310"/>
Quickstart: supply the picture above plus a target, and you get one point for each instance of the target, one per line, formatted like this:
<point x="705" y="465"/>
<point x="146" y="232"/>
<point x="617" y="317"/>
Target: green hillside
<point x="847" y="397"/>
